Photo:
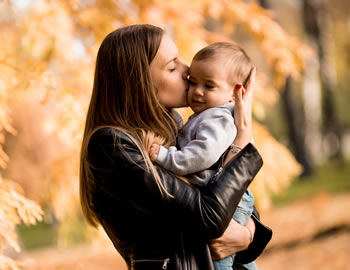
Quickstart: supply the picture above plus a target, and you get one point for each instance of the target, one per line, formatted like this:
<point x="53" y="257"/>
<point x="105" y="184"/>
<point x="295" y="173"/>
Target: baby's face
<point x="208" y="85"/>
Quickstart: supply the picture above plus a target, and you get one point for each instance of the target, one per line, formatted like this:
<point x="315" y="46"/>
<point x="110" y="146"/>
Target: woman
<point x="154" y="219"/>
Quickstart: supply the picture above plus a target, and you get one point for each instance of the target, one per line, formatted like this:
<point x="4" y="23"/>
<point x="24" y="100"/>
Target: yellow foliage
<point x="7" y="263"/>
<point x="14" y="207"/>
<point x="279" y="167"/>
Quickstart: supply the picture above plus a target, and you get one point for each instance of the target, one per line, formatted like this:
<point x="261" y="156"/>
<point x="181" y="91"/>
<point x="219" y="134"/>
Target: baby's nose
<point x="198" y="91"/>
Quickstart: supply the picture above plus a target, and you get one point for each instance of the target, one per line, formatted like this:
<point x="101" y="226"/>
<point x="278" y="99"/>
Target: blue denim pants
<point x="227" y="264"/>
<point x="242" y="214"/>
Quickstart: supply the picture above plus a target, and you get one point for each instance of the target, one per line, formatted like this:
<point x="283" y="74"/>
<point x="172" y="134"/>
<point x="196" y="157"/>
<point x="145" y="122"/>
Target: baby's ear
<point x="232" y="94"/>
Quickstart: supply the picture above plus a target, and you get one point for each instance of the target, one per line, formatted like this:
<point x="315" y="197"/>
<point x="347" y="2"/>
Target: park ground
<point x="311" y="233"/>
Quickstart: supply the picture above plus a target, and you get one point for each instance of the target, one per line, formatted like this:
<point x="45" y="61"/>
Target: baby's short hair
<point x="232" y="55"/>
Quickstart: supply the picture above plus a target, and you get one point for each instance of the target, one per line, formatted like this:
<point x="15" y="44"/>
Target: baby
<point x="214" y="72"/>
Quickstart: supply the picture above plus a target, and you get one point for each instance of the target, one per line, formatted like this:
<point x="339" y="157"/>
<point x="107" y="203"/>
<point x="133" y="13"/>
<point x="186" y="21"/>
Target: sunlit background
<point x="301" y="111"/>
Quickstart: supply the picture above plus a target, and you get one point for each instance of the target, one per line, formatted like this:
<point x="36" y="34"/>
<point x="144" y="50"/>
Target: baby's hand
<point x="153" y="152"/>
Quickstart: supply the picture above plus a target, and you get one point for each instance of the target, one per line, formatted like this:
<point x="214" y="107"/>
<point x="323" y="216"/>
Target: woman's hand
<point x="251" y="228"/>
<point x="242" y="115"/>
<point x="243" y="110"/>
<point x="235" y="238"/>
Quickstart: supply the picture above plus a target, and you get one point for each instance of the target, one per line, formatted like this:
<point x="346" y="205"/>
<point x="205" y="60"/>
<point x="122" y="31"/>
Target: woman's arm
<point x="252" y="238"/>
<point x="237" y="237"/>
<point x="206" y="210"/>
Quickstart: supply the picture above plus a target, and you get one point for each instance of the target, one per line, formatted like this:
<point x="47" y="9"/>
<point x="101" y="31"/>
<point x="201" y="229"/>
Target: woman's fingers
<point x="238" y="92"/>
<point x="234" y="239"/>
<point x="243" y="109"/>
<point x="251" y="81"/>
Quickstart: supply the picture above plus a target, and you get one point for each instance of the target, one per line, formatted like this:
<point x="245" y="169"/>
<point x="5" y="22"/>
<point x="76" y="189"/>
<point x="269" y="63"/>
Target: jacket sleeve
<point x="120" y="170"/>
<point x="215" y="133"/>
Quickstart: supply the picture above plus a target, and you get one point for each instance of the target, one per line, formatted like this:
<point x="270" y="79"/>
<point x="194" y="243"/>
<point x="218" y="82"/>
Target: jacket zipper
<point x="219" y="170"/>
<point x="165" y="261"/>
<point x="165" y="264"/>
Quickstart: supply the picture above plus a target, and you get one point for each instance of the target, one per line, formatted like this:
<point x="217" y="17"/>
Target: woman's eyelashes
<point x="173" y="65"/>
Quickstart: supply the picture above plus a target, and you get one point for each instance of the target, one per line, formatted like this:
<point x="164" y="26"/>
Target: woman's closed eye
<point x="173" y="64"/>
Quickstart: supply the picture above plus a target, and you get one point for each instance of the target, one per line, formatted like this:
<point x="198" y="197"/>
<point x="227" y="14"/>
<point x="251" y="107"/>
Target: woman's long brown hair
<point x="123" y="97"/>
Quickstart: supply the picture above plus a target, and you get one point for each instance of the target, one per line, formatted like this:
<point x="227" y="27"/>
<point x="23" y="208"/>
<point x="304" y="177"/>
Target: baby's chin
<point x="197" y="111"/>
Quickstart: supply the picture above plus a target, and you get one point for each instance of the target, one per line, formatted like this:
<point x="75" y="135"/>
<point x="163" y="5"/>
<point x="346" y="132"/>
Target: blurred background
<point x="302" y="122"/>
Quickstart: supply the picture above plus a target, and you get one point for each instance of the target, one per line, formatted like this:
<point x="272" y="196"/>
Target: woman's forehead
<point x="167" y="51"/>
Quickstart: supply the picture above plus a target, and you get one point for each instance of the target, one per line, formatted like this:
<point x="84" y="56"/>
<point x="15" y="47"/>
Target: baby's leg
<point x="242" y="214"/>
<point x="245" y="208"/>
<point x="224" y="264"/>
<point x="251" y="266"/>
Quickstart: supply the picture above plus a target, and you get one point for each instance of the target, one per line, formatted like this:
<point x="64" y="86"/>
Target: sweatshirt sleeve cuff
<point x="163" y="152"/>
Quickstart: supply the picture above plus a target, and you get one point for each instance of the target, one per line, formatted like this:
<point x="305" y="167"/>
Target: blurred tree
<point x="318" y="26"/>
<point x="14" y="207"/>
<point x="296" y="128"/>
<point x="295" y="120"/>
<point x="339" y="12"/>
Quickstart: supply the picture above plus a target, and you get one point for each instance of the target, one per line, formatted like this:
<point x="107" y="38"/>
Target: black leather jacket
<point x="152" y="231"/>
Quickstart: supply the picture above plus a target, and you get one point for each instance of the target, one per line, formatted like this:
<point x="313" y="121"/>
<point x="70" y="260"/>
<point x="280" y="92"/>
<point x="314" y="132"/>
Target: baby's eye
<point x="191" y="82"/>
<point x="172" y="69"/>
<point x="208" y="86"/>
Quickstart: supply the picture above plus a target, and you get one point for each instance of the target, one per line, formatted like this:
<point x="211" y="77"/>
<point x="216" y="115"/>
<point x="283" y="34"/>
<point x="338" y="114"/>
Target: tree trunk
<point x="313" y="110"/>
<point x="296" y="128"/>
<point x="318" y="26"/>
<point x="295" y="122"/>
